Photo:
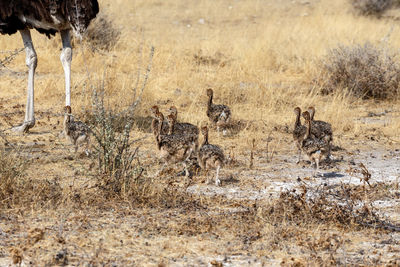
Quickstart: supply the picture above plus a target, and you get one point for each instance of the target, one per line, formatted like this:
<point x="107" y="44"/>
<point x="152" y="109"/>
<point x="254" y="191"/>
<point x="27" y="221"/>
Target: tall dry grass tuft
<point x="19" y="190"/>
<point x="365" y="71"/>
<point x="12" y="169"/>
<point x="102" y="33"/>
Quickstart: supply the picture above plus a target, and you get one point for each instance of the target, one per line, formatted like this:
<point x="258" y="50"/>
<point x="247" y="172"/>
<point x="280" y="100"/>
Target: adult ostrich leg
<point x="31" y="63"/>
<point x="47" y="17"/>
<point x="66" y="58"/>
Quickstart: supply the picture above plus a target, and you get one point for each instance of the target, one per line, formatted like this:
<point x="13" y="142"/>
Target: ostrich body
<point x="321" y="129"/>
<point x="184" y="128"/>
<point x="210" y="156"/>
<point x="47" y="17"/>
<point x="219" y="115"/>
<point x="299" y="131"/>
<point x="76" y="131"/>
<point x="174" y="148"/>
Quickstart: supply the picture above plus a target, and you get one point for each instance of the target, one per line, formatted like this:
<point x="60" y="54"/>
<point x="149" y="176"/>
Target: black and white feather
<point x="47" y="16"/>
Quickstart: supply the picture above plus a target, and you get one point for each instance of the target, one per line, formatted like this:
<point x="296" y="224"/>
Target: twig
<point x="11" y="57"/>
<point x="252" y="153"/>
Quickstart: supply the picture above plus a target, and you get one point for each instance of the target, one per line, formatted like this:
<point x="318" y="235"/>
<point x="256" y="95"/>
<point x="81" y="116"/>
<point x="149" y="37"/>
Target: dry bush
<point x="118" y="163"/>
<point x="139" y="191"/>
<point x="344" y="206"/>
<point x="300" y="217"/>
<point x="146" y="192"/>
<point x="113" y="148"/>
<point x="218" y="59"/>
<point x="371" y="7"/>
<point x="366" y="71"/>
<point x="286" y="219"/>
<point x="17" y="190"/>
<point x="102" y="33"/>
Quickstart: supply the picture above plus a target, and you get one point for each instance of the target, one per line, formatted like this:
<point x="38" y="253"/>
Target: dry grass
<point x="262" y="59"/>
<point x="19" y="190"/>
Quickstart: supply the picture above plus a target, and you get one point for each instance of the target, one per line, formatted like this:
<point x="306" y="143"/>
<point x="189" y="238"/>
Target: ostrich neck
<point x="308" y="133"/>
<point x="158" y="135"/>
<point x="67" y="121"/>
<point x="205" y="141"/>
<point x="297" y="122"/>
<point x="209" y="104"/>
<point x="154" y="126"/>
<point x="175" y="114"/>
<point x="312" y="115"/>
<point x="160" y="123"/>
<point x="171" y="128"/>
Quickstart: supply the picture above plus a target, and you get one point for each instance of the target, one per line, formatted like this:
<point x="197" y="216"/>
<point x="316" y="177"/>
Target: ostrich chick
<point x="154" y="110"/>
<point x="321" y="129"/>
<point x="184" y="128"/>
<point x="299" y="131"/>
<point x="210" y="156"/>
<point x="76" y="131"/>
<point x="314" y="147"/>
<point x="173" y="148"/>
<point x="219" y="115"/>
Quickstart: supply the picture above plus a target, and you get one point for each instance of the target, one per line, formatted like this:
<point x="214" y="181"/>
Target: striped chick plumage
<point x="184" y="128"/>
<point x="173" y="148"/>
<point x="154" y="110"/>
<point x="313" y="146"/>
<point x="210" y="156"/>
<point x="320" y="129"/>
<point x="219" y="115"/>
<point x="77" y="131"/>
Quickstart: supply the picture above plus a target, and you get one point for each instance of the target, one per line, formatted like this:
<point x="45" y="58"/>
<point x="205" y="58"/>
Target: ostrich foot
<point x="24" y="128"/>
